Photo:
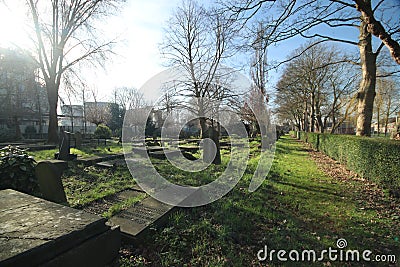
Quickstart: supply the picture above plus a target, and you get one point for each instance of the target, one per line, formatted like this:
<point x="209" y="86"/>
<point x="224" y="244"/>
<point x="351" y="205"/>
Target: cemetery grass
<point x="298" y="207"/>
<point x="85" y="151"/>
<point x="84" y="185"/>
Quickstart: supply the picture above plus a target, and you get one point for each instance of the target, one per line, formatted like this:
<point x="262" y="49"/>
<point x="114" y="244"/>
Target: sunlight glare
<point x="13" y="26"/>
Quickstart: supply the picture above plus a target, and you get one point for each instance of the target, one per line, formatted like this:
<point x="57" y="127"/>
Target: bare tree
<point x="259" y="64"/>
<point x="314" y="88"/>
<point x="97" y="112"/>
<point x="64" y="37"/>
<point x="287" y="19"/>
<point x="129" y="98"/>
<point x="387" y="102"/>
<point x="198" y="40"/>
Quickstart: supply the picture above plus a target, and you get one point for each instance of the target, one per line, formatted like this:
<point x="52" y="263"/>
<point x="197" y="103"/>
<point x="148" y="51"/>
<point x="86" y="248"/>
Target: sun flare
<point x="13" y="25"/>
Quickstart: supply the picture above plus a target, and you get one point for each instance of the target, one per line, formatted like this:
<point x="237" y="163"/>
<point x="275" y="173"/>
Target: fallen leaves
<point x="367" y="194"/>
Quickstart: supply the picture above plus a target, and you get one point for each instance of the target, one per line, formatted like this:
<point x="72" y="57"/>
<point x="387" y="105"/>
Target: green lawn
<point x="85" y="151"/>
<point x="83" y="185"/>
<point x="297" y="207"/>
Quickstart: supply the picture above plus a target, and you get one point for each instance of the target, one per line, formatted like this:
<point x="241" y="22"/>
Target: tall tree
<point x="124" y="99"/>
<point x="198" y="40"/>
<point x="318" y="19"/>
<point x="64" y="37"/>
<point x="314" y="87"/>
<point x="387" y="102"/>
<point x="129" y="98"/>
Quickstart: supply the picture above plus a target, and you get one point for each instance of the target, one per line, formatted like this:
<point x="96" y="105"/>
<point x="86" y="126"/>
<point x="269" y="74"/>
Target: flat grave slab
<point x="148" y="148"/>
<point x="189" y="148"/>
<point x="36" y="232"/>
<point x="136" y="219"/>
<point x="39" y="147"/>
<point x="96" y="159"/>
<point x="225" y="143"/>
<point x="163" y="154"/>
<point x="100" y="206"/>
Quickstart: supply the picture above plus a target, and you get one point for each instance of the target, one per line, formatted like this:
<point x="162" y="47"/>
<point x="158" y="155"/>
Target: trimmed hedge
<point x="375" y="159"/>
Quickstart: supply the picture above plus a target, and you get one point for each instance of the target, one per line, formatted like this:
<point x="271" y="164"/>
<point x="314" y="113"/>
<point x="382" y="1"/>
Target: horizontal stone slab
<point x="34" y="231"/>
<point x="134" y="220"/>
<point x="95" y="159"/>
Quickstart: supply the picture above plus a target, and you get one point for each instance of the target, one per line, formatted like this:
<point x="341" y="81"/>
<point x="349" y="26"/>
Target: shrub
<point x="17" y="171"/>
<point x="102" y="131"/>
<point x="375" y="159"/>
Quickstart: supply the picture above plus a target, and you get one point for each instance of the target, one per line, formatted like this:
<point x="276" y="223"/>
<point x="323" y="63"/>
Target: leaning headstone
<point x="49" y="174"/>
<point x="64" y="145"/>
<point x="64" y="152"/>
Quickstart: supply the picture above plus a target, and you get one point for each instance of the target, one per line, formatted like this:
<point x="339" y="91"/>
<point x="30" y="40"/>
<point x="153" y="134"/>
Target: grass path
<point x="298" y="207"/>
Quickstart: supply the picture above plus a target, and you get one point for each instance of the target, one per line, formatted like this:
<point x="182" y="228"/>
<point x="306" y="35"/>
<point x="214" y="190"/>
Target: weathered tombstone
<point x="78" y="140"/>
<point x="49" y="174"/>
<point x="36" y="232"/>
<point x="64" y="145"/>
<point x="135" y="221"/>
<point x="64" y="152"/>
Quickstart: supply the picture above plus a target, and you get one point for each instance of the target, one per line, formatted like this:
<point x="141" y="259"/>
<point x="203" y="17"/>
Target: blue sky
<point x="139" y="28"/>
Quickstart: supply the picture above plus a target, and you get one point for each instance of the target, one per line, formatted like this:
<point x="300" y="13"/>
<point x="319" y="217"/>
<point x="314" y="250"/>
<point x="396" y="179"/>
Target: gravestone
<point x="64" y="145"/>
<point x="135" y="220"/>
<point x="64" y="152"/>
<point x="49" y="174"/>
<point x="36" y="232"/>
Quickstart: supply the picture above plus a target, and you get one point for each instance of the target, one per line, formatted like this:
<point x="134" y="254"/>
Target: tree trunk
<point x="305" y="118"/>
<point x="214" y="135"/>
<point x="52" y="96"/>
<point x="312" y="124"/>
<point x="203" y="126"/>
<point x="366" y="93"/>
<point x="389" y="104"/>
<point x="378" y="121"/>
<point x="333" y="118"/>
<point x="387" y="114"/>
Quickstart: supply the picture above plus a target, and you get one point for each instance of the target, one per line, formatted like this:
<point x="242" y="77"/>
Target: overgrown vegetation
<point x="17" y="171"/>
<point x="375" y="159"/>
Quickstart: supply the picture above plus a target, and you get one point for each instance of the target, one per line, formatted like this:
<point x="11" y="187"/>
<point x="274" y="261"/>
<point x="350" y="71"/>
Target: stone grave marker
<point x="135" y="220"/>
<point x="36" y="232"/>
<point x="49" y="174"/>
<point x="64" y="153"/>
